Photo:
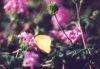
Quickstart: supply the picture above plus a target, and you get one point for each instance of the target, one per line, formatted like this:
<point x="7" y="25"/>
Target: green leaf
<point x="13" y="16"/>
<point x="69" y="53"/>
<point x="75" y="52"/>
<point x="61" y="54"/>
<point x="49" y="61"/>
<point x="85" y="13"/>
<point x="21" y="56"/>
<point x="10" y="38"/>
<point x="86" y="21"/>
<point x="22" y="45"/>
<point x="8" y="59"/>
<point x="64" y="61"/>
<point x="38" y="18"/>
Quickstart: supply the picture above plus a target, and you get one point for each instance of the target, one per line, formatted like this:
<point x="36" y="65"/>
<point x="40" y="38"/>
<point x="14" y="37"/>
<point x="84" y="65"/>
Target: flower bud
<point x="52" y="8"/>
<point x="57" y="2"/>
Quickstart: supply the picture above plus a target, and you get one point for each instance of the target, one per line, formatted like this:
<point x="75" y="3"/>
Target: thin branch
<point x="63" y="66"/>
<point x="17" y="53"/>
<point x="61" y="27"/>
<point x="90" y="66"/>
<point x="78" y="20"/>
<point x="63" y="30"/>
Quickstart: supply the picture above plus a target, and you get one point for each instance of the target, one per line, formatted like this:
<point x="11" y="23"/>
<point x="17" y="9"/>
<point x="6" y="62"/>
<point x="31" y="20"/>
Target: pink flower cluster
<point x="73" y="35"/>
<point x="30" y="59"/>
<point x="18" y="6"/>
<point x="63" y="16"/>
<point x="3" y="39"/>
<point x="27" y="38"/>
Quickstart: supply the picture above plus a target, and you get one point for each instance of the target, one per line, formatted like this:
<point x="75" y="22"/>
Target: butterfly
<point x="43" y="42"/>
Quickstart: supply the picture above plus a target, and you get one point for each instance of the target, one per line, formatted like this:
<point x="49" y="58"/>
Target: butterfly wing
<point x="43" y="42"/>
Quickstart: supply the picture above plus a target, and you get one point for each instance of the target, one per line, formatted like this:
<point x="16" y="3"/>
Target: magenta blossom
<point x="73" y="35"/>
<point x="57" y="2"/>
<point x="16" y="6"/>
<point x="28" y="39"/>
<point x="63" y="16"/>
<point x="30" y="59"/>
<point x="3" y="39"/>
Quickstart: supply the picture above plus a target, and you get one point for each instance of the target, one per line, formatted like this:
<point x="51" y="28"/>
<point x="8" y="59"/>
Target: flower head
<point x="63" y="16"/>
<point x="16" y="6"/>
<point x="30" y="59"/>
<point x="28" y="39"/>
<point x="73" y="35"/>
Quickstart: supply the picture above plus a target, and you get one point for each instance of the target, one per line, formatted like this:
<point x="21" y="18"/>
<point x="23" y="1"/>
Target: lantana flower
<point x="37" y="43"/>
<point x="30" y="59"/>
<point x="73" y="35"/>
<point x="28" y="39"/>
<point x="16" y="6"/>
<point x="63" y="17"/>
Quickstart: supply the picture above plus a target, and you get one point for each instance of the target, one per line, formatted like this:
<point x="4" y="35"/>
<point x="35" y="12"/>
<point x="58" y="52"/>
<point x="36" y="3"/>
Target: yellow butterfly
<point x="43" y="42"/>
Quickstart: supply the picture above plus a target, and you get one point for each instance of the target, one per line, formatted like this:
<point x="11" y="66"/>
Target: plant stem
<point x="17" y="54"/>
<point x="63" y="66"/>
<point x="78" y="20"/>
<point x="63" y="30"/>
<point x="61" y="27"/>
